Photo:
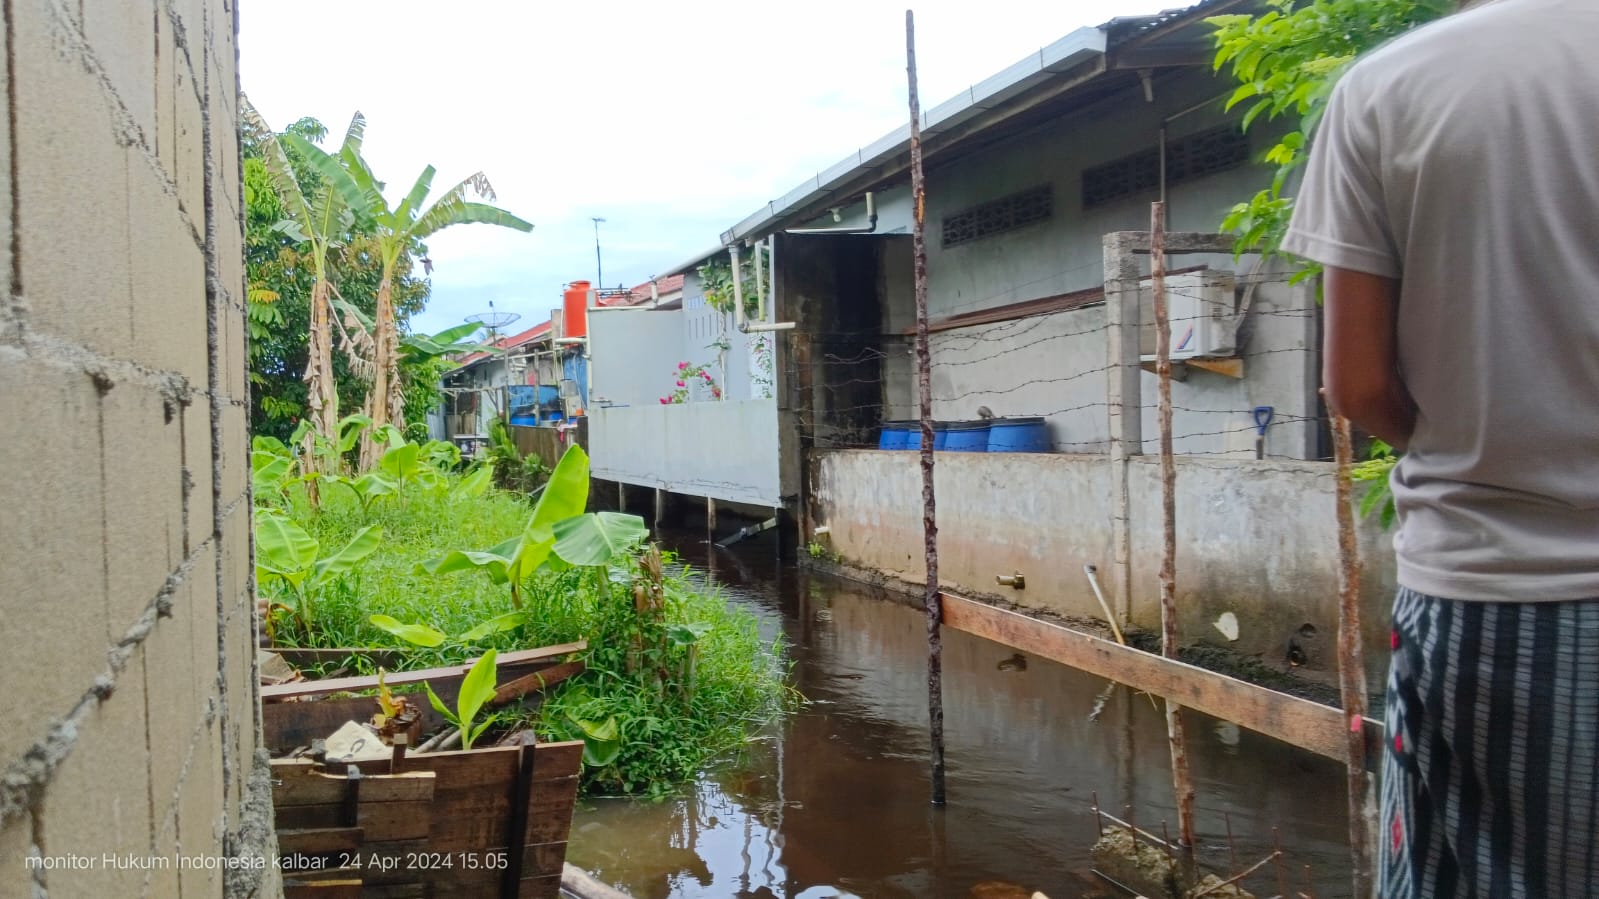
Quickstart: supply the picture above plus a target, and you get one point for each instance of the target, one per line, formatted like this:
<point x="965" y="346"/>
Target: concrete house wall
<point x="131" y="715"/>
<point x="1052" y="365"/>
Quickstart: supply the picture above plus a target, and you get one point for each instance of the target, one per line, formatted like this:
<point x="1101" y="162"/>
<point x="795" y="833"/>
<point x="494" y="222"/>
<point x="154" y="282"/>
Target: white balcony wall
<point x="724" y="450"/>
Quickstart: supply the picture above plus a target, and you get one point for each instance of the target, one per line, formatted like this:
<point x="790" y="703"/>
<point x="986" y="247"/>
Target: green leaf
<point x="477" y="688"/>
<point x="476" y="483"/>
<point x="687" y="634"/>
<point x="565" y="495"/>
<point x="597" y="537"/>
<point x="401" y="462"/>
<point x="372" y="485"/>
<point x="363" y="544"/>
<point x="420" y="634"/>
<point x="350" y="428"/>
<point x="496" y="625"/>
<point x="281" y="546"/>
<point x="268" y="472"/>
<point x="601" y="742"/>
<point x="439" y="706"/>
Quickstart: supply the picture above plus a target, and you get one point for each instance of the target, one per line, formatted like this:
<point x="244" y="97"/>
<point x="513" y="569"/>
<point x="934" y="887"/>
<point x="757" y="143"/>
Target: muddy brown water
<point x="834" y="801"/>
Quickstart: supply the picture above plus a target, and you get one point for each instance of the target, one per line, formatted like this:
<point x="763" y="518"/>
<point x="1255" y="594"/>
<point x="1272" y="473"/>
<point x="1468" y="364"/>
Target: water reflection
<point x="834" y="802"/>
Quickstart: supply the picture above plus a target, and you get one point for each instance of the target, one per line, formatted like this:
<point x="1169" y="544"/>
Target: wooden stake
<point x="1352" y="670"/>
<point x="1182" y="781"/>
<point x="933" y="600"/>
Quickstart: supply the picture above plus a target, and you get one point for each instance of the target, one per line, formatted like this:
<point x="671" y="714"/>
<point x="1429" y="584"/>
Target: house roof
<point x="640" y="294"/>
<point x="1082" y="67"/>
<point x="506" y="343"/>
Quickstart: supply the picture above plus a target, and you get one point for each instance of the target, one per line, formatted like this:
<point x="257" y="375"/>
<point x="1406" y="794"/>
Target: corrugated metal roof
<point x="992" y="93"/>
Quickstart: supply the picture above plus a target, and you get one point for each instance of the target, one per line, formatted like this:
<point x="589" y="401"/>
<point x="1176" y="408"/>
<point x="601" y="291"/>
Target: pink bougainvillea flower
<point x="681" y="384"/>
<point x="682" y="365"/>
<point x="666" y="401"/>
<point x="706" y="374"/>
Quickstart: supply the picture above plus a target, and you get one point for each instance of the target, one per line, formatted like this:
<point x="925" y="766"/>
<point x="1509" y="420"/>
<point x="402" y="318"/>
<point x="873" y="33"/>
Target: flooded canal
<point x="834" y="801"/>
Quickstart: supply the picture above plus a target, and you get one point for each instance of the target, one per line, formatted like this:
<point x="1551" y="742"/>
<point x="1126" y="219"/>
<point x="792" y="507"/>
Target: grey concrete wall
<point x="1064" y="254"/>
<point x="129" y="705"/>
<point x="1257" y="539"/>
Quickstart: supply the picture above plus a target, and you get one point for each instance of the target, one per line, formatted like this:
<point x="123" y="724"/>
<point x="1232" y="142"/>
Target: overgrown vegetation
<point x="1286" y="61"/>
<point x="675" y="677"/>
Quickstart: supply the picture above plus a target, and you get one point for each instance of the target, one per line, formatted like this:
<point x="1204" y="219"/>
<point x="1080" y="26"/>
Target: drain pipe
<point x="744" y="326"/>
<point x="871" y="222"/>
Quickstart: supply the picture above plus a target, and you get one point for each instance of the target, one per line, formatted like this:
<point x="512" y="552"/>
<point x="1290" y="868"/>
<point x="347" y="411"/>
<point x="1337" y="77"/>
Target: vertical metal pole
<point x="1352" y="670"/>
<point x="935" y="662"/>
<point x="1182" y="782"/>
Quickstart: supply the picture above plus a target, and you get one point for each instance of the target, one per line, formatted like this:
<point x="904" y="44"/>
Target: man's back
<point x="1468" y="169"/>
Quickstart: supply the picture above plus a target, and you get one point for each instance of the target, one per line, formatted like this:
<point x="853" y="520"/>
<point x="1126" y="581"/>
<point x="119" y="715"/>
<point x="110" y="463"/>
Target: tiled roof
<point x="640" y="294"/>
<point x="506" y="343"/>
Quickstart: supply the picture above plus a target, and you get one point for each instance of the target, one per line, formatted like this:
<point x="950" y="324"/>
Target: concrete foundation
<point x="1256" y="541"/>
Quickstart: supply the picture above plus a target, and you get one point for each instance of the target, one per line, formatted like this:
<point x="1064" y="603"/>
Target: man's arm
<point x="1360" y="352"/>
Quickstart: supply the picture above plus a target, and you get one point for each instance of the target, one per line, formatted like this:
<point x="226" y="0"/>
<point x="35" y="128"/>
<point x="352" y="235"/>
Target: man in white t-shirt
<point x="1453" y="195"/>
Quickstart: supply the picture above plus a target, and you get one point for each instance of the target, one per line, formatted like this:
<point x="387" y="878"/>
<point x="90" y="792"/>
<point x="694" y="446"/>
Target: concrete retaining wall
<point x="1257" y="539"/>
<point x="130" y="718"/>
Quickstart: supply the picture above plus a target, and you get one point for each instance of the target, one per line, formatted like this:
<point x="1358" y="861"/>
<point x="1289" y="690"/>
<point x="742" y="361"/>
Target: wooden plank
<point x="319" y="841"/>
<point x="1232" y="367"/>
<point x="395" y="891"/>
<point x="304" y="782"/>
<point x="324" y="889"/>
<point x="535" y="682"/>
<point x="547" y="886"/>
<point x="558" y="761"/>
<point x="1299" y="722"/>
<point x="280" y="692"/>
<point x="549" y="816"/>
<point x="543" y="859"/>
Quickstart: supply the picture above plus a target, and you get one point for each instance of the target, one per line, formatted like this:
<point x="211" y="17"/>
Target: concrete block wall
<point x="1257" y="539"/>
<point x="127" y="688"/>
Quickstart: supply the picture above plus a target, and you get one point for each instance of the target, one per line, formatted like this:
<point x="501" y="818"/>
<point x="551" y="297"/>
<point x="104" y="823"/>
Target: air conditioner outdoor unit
<point x="1201" y="309"/>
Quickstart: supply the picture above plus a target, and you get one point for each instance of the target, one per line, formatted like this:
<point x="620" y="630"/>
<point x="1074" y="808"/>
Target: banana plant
<point x="560" y="533"/>
<point x="285" y="554"/>
<point x="476" y="690"/>
<point x="429" y="637"/>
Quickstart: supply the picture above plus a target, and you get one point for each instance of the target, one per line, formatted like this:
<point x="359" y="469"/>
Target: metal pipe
<point x="871" y="223"/>
<point x="745" y="327"/>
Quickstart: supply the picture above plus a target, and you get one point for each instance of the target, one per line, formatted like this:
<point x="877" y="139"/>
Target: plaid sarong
<point x="1490" y="782"/>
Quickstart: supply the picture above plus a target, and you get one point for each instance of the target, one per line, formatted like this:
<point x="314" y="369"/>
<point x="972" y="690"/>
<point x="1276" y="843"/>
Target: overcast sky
<point x="670" y="121"/>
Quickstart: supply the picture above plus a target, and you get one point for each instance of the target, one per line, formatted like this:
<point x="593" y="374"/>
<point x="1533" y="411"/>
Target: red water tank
<point x="575" y="309"/>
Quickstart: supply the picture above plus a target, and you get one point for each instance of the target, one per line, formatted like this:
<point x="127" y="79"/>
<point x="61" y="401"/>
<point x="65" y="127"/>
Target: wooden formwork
<point x="480" y="823"/>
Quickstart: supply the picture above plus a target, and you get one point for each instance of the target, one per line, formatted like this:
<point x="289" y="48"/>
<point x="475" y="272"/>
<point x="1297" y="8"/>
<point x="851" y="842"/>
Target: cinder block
<point x="235" y="452"/>
<point x="169" y="299"/>
<point x="52" y="539"/>
<point x="118" y="35"/>
<point x="72" y="193"/>
<point x="233" y="354"/>
<point x="200" y="818"/>
<point x="203" y="600"/>
<point x="189" y="141"/>
<point x="236" y="566"/>
<point x="196" y="417"/>
<point x="98" y="803"/>
<point x="142" y="439"/>
<point x="163" y="883"/>
<point x="16" y="838"/>
<point x="167" y="61"/>
<point x="172" y="671"/>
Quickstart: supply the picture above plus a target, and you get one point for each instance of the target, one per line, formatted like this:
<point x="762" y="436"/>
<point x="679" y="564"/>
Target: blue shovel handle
<point x="1263" y="416"/>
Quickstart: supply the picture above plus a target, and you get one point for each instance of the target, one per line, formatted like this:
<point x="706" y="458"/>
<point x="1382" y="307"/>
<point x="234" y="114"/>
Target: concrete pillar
<point x="660" y="507"/>
<point x="1124" y="404"/>
<point x="710" y="517"/>
<point x="621" y="497"/>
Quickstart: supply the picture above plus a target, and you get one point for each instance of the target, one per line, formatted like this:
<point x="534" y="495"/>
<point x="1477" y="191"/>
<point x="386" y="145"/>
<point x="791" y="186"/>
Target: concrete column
<point x="660" y="507"/>
<point x="1124" y="404"/>
<point x="621" y="497"/>
<point x="710" y="517"/>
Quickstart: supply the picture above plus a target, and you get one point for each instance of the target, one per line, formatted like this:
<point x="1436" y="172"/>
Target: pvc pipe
<point x="746" y="327"/>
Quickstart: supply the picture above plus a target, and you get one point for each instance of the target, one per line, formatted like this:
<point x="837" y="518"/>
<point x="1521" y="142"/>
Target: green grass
<point x="714" y="696"/>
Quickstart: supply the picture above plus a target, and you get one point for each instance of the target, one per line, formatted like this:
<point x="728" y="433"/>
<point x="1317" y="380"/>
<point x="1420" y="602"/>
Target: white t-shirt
<point x="1463" y="160"/>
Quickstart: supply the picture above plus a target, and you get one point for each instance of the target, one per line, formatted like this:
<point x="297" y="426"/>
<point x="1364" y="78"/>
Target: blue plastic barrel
<point x="967" y="437"/>
<point x="896" y="435"/>
<point x="1018" y="435"/>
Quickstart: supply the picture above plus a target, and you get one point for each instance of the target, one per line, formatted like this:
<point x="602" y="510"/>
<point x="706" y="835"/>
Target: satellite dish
<point x="494" y="320"/>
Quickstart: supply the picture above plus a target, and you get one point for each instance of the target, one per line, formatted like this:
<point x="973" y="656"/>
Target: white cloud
<point x="671" y="121"/>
